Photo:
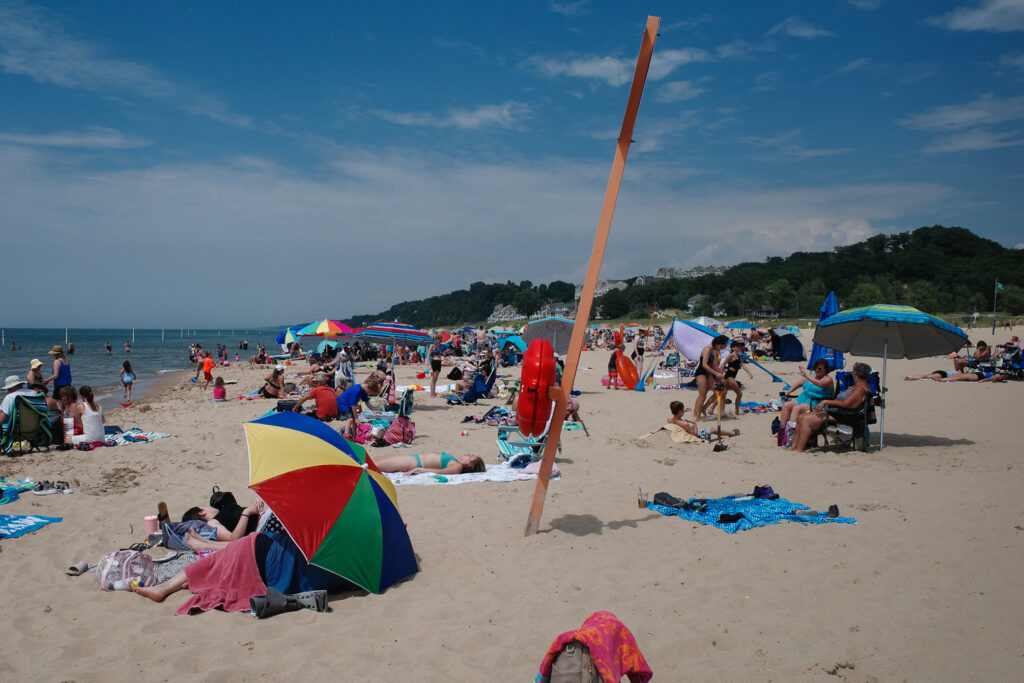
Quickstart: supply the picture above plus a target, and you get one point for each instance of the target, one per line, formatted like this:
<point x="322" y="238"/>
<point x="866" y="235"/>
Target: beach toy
<point x="533" y="408"/>
<point x="151" y="523"/>
<point x="627" y="370"/>
<point x="463" y="433"/>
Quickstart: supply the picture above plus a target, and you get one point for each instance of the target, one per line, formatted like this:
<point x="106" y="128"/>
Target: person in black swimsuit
<point x="731" y="365"/>
<point x="708" y="373"/>
<point x="434" y="356"/>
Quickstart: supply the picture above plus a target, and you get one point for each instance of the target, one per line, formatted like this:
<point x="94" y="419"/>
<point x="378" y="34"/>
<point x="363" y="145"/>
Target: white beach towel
<point x="499" y="473"/>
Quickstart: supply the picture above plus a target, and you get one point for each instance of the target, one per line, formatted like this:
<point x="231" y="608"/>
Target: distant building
<point x="603" y="286"/>
<point x="557" y="310"/>
<point x="503" y="314"/>
<point x="646" y="279"/>
<point x="683" y="273"/>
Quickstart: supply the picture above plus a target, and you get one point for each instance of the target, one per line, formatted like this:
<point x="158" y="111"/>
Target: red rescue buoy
<point x="627" y="370"/>
<point x="533" y="408"/>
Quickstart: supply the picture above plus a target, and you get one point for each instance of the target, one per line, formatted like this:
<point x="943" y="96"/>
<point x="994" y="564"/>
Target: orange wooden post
<point x="604" y="225"/>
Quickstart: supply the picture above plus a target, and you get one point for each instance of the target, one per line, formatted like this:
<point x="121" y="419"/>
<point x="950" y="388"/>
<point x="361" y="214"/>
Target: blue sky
<point x="247" y="163"/>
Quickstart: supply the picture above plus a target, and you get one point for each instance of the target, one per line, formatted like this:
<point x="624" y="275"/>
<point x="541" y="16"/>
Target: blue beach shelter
<point x="835" y="358"/>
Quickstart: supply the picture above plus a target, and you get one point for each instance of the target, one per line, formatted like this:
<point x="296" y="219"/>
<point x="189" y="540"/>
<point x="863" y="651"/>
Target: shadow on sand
<point x="918" y="441"/>
<point x="587" y="525"/>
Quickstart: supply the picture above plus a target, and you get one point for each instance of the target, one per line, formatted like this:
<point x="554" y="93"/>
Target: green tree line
<point x="473" y="304"/>
<point x="935" y="269"/>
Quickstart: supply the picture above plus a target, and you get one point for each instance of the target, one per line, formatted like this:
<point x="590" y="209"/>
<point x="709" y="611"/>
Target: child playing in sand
<point x="208" y="369"/>
<point x="219" y="392"/>
<point x="613" y="369"/>
<point x="690" y="426"/>
<point x="127" y="379"/>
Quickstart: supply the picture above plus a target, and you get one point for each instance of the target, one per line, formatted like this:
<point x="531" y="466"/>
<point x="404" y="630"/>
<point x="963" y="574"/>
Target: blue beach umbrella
<point x="885" y="330"/>
<point x="835" y="358"/>
<point x="741" y="325"/>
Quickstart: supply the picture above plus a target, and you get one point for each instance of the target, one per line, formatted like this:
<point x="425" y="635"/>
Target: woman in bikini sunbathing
<point x="273" y="384"/>
<point x="433" y="463"/>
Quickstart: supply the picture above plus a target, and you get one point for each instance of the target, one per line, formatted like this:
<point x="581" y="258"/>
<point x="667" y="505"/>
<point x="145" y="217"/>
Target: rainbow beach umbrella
<point x="325" y="328"/>
<point x="336" y="505"/>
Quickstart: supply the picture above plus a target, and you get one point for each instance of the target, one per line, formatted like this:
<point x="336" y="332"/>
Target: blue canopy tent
<point x="790" y="348"/>
<point x="516" y="341"/>
<point x="741" y="325"/>
<point x="835" y="358"/>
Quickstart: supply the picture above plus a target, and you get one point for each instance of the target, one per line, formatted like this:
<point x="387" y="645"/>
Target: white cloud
<point x="91" y="138"/>
<point x="615" y="71"/>
<point x="976" y="140"/>
<point x="767" y="81"/>
<point x="867" y="5"/>
<point x="999" y="16"/>
<point x="33" y="45"/>
<point x="788" y="146"/>
<point x="987" y="109"/>
<point x="511" y="115"/>
<point x="385" y="202"/>
<point x="676" y="91"/>
<point x="741" y="49"/>
<point x="1014" y="60"/>
<point x="854" y="65"/>
<point x="570" y="9"/>
<point x="798" y="28"/>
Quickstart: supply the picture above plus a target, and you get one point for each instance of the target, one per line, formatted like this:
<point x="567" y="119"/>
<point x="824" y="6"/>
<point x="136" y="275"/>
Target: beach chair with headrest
<point x="27" y="425"/>
<point x="481" y="388"/>
<point x="853" y="425"/>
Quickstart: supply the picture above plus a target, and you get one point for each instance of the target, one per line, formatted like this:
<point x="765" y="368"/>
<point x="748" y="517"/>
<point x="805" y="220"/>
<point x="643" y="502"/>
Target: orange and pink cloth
<point x="612" y="647"/>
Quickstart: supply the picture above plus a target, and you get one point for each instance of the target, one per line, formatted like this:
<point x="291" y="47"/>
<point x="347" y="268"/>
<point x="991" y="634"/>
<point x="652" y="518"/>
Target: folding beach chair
<point x="512" y="443"/>
<point x="26" y="425"/>
<point x="856" y="420"/>
<point x="481" y="389"/>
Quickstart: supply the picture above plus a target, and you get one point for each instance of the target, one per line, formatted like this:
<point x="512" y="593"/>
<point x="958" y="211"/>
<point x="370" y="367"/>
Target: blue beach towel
<point x="12" y="526"/>
<point x="756" y="512"/>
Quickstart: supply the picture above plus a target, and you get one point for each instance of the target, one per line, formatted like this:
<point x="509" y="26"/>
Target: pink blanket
<point x="612" y="647"/>
<point x="226" y="579"/>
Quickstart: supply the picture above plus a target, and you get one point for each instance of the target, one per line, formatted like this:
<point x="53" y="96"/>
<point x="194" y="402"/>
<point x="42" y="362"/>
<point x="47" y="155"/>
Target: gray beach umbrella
<point x="558" y="331"/>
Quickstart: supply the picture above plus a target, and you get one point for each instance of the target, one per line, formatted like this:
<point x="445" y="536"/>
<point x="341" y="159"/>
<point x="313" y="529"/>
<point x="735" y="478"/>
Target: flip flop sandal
<point x="63" y="487"/>
<point x="78" y="568"/>
<point x="45" y="488"/>
<point x="171" y="554"/>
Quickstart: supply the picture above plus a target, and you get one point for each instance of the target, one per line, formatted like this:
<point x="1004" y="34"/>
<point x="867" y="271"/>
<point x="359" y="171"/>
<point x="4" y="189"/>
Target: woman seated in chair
<point x="849" y="399"/>
<point x="815" y="389"/>
<point x="983" y="354"/>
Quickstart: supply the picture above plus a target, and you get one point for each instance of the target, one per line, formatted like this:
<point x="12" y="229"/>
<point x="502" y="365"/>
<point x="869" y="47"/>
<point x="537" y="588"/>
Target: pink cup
<point x="151" y="524"/>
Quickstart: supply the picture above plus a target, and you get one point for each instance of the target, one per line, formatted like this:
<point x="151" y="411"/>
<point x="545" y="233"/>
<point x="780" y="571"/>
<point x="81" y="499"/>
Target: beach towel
<point x="755" y="407"/>
<point x="757" y="512"/>
<point x="10" y="488"/>
<point x="134" y="435"/>
<point x="612" y="647"/>
<point x="12" y="526"/>
<point x="225" y="579"/>
<point x="679" y="435"/>
<point x="498" y="473"/>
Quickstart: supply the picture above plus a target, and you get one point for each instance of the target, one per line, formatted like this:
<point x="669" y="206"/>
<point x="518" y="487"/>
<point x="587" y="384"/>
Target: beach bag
<point x="401" y="430"/>
<point x="573" y="664"/>
<point x="125" y="570"/>
<point x="455" y="374"/>
<point x="222" y="499"/>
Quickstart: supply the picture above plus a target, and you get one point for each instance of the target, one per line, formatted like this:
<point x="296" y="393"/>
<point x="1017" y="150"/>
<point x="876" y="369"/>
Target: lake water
<point x="150" y="355"/>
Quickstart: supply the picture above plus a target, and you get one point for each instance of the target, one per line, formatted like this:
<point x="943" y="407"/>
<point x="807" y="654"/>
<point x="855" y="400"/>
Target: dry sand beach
<point x="926" y="586"/>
